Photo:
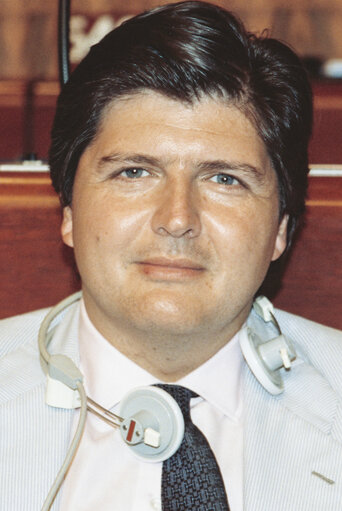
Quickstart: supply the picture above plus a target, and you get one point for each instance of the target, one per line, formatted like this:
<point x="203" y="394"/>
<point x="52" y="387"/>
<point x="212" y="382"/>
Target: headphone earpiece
<point x="154" y="428"/>
<point x="266" y="359"/>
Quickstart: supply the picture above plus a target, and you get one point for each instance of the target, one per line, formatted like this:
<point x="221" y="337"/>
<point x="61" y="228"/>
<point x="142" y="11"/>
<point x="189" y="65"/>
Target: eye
<point x="134" y="173"/>
<point x="225" y="179"/>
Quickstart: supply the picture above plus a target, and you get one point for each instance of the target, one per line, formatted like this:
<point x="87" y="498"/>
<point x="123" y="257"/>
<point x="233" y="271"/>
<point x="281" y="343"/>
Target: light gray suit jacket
<point x="288" y="439"/>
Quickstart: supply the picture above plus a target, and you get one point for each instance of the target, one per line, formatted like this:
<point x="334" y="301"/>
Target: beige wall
<point x="28" y="29"/>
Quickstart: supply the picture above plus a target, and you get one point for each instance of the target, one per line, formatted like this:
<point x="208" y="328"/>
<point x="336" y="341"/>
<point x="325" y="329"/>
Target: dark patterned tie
<point x="191" y="478"/>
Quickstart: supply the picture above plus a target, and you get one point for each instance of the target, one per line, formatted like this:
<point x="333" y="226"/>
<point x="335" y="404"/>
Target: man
<point x="179" y="152"/>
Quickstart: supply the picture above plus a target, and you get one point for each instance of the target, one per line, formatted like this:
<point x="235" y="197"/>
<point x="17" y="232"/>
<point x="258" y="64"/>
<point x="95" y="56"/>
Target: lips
<point x="163" y="267"/>
<point x="173" y="263"/>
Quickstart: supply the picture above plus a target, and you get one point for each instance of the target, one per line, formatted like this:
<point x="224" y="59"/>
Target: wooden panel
<point x="45" y="97"/>
<point x="26" y="115"/>
<point x="12" y="100"/>
<point x="325" y="145"/>
<point x="312" y="281"/>
<point x="37" y="270"/>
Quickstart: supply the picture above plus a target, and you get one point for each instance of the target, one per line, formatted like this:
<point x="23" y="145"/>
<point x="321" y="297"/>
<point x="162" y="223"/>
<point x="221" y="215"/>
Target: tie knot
<point x="181" y="395"/>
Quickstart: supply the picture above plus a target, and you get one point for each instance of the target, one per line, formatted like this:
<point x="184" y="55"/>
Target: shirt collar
<point x="218" y="380"/>
<point x="109" y="374"/>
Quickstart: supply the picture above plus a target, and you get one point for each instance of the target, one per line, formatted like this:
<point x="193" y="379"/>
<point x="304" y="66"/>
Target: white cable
<point x="46" y="358"/>
<point x="71" y="451"/>
<point x="42" y="335"/>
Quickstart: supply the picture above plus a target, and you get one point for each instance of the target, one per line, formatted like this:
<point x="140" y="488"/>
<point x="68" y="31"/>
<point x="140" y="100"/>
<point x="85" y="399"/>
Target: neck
<point x="168" y="357"/>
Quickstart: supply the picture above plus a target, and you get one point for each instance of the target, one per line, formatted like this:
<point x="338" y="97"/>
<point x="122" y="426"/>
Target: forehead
<point x="196" y="114"/>
<point x="153" y="123"/>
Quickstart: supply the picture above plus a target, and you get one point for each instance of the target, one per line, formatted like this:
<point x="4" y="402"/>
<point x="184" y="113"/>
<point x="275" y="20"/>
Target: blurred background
<point x="28" y="55"/>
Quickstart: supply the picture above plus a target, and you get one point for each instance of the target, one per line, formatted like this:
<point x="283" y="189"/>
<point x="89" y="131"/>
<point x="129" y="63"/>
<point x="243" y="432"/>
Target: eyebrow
<point x="135" y="159"/>
<point x="204" y="166"/>
<point x="224" y="166"/>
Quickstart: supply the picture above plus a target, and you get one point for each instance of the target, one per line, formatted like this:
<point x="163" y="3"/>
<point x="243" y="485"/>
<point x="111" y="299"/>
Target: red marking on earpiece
<point x="130" y="430"/>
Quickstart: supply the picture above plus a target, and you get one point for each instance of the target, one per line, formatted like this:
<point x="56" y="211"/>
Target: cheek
<point x="246" y="234"/>
<point x="105" y="224"/>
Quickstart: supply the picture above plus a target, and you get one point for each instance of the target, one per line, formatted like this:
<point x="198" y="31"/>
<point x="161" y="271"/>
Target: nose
<point x="177" y="212"/>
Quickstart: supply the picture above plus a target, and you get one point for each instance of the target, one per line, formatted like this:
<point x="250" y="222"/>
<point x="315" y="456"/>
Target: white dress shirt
<point x="105" y="474"/>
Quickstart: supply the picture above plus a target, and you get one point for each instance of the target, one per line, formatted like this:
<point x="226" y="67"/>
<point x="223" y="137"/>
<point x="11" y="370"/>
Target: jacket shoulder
<point x="18" y="331"/>
<point x="297" y="327"/>
<point x="20" y="371"/>
<point x="316" y="345"/>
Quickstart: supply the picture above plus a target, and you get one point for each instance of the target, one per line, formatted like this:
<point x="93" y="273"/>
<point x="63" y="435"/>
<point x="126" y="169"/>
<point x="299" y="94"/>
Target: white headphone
<point x="150" y="421"/>
<point x="266" y="359"/>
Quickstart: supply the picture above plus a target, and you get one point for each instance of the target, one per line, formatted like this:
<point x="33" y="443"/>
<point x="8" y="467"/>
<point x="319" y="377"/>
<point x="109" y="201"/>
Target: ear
<point x="66" y="227"/>
<point x="281" y="239"/>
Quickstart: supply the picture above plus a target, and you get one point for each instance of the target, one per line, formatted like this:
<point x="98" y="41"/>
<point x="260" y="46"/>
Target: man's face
<point x="174" y="218"/>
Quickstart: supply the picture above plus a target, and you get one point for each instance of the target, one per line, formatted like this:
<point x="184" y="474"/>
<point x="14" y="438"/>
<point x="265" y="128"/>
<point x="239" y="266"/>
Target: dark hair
<point x="183" y="51"/>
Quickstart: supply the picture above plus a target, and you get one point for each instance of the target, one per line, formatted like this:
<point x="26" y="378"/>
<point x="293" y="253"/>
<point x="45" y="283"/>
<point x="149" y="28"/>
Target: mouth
<point x="163" y="268"/>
